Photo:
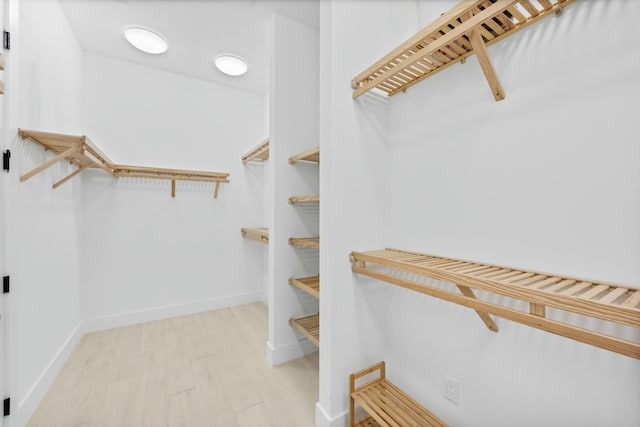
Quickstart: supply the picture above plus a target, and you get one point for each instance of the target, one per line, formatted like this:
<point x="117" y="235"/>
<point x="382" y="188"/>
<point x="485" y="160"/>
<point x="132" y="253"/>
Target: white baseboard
<point x="324" y="420"/>
<point x="265" y="298"/>
<point x="140" y="316"/>
<point x="27" y="406"/>
<point x="280" y="355"/>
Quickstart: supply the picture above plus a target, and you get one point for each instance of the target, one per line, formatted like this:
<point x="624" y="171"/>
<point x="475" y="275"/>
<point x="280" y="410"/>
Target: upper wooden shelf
<point x="306" y="242"/>
<point x="304" y="199"/>
<point x="310" y="285"/>
<point x="312" y="155"/>
<point x="464" y="30"/>
<point x="80" y="151"/>
<point x="261" y="152"/>
<point x="259" y="234"/>
<point x="605" y="301"/>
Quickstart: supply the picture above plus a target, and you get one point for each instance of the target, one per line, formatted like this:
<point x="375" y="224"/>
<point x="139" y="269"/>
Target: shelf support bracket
<point x="467" y="292"/>
<point x="537" y="309"/>
<point x="173" y="188"/>
<point x="480" y="48"/>
<point x="215" y="192"/>
<point x="49" y="163"/>
<point x="68" y="177"/>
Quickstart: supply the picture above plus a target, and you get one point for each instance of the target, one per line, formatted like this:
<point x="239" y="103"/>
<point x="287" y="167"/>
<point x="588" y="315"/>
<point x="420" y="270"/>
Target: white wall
<point x="294" y="128"/>
<point x="547" y="179"/>
<point x="145" y="250"/>
<point x="355" y="190"/>
<point x="43" y="247"/>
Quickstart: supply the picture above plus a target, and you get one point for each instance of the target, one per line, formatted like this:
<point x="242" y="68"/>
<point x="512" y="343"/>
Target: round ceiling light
<point x="146" y="40"/>
<point x="231" y="65"/>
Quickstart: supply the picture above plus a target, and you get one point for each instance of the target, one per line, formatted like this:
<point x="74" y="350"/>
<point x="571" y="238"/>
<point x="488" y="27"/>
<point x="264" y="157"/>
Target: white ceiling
<point x="196" y="30"/>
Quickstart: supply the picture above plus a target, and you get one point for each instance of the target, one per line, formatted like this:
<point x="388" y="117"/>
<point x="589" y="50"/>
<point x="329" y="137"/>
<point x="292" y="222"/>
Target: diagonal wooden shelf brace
<point x="67" y="153"/>
<point x="80" y="151"/>
<point x="71" y="175"/>
<point x="487" y="66"/>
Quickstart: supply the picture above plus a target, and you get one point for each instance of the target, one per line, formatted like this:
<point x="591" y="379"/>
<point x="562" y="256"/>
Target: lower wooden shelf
<point x="598" y="300"/>
<point x="385" y="403"/>
<point x="309" y="327"/>
<point x="305" y="242"/>
<point x="310" y="285"/>
<point x="258" y="234"/>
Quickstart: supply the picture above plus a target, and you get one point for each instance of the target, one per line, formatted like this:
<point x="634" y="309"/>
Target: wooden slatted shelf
<point x="312" y="155"/>
<point x="258" y="234"/>
<point x="605" y="301"/>
<point x="466" y="29"/>
<point x="310" y="285"/>
<point x="308" y="326"/>
<point x="80" y="151"/>
<point x="385" y="403"/>
<point x="304" y="199"/>
<point x="306" y="242"/>
<point x="260" y="152"/>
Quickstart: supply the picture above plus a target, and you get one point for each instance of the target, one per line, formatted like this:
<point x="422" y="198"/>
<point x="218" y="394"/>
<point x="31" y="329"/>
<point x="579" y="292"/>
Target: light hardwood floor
<point x="206" y="369"/>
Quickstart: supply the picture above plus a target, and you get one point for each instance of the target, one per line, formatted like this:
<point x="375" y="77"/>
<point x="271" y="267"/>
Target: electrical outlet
<point x="452" y="390"/>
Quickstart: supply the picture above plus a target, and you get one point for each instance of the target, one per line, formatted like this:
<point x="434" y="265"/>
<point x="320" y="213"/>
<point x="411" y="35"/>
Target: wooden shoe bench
<point x="385" y="403"/>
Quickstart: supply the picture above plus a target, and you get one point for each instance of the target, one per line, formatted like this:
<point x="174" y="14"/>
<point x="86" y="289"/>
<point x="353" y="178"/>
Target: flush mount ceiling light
<point x="146" y="40"/>
<point x="231" y="65"/>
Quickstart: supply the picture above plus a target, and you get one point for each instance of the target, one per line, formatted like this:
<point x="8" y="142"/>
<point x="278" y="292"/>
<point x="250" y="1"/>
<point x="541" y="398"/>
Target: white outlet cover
<point x="452" y="390"/>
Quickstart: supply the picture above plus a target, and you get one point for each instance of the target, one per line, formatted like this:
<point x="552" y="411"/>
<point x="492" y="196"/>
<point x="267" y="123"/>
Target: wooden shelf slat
<point x="258" y="234"/>
<point x="311" y="155"/>
<point x="447" y="41"/>
<point x="385" y="403"/>
<point x="81" y="151"/>
<point x="604" y="301"/>
<point x="260" y="152"/>
<point x="304" y="199"/>
<point x="310" y="285"/>
<point x="308" y="326"/>
<point x="306" y="242"/>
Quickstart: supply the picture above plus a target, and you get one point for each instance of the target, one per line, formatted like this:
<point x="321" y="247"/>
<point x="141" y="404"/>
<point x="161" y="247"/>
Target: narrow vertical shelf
<point x="309" y="326"/>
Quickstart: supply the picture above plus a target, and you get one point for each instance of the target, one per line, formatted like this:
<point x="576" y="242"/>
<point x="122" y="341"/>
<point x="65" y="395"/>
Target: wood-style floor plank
<point x="206" y="369"/>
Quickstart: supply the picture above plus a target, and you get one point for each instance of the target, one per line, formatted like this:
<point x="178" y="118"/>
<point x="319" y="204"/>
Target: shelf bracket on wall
<point x="71" y="175"/>
<point x="485" y="63"/>
<point x="67" y="153"/>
